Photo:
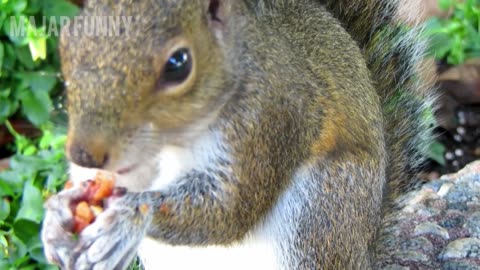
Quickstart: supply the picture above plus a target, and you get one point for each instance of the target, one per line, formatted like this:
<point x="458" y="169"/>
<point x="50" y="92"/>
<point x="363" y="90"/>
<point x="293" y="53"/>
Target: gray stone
<point x="460" y="206"/>
<point x="435" y="185"/>
<point x="395" y="267"/>
<point x="411" y="256"/>
<point x="460" y="265"/>
<point x="419" y="243"/>
<point x="431" y="228"/>
<point x="428" y="212"/>
<point x="473" y="224"/>
<point x="462" y="248"/>
<point x="456" y="195"/>
<point x="452" y="222"/>
<point x="436" y="227"/>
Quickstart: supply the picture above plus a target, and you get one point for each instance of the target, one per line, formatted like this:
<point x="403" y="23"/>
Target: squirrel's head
<point x="143" y="73"/>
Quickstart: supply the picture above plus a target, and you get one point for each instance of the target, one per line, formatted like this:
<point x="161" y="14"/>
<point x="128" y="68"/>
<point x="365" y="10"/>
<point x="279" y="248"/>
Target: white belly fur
<point x="250" y="254"/>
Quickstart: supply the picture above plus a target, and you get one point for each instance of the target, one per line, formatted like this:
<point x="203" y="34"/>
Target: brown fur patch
<point x="328" y="137"/>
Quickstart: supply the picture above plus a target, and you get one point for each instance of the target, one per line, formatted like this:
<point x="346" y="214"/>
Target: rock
<point x="452" y="223"/>
<point x="395" y="267"/>
<point x="419" y="243"/>
<point x="436" y="226"/>
<point x="462" y="248"/>
<point x="444" y="189"/>
<point x="431" y="228"/>
<point x="411" y="256"/>
<point x="461" y="265"/>
<point x="473" y="224"/>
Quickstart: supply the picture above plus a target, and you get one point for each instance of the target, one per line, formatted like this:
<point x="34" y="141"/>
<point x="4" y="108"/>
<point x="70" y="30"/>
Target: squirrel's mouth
<point x="127" y="170"/>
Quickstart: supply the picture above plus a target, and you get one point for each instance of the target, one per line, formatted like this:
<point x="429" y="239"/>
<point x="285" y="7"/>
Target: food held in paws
<point x="83" y="216"/>
<point x="91" y="203"/>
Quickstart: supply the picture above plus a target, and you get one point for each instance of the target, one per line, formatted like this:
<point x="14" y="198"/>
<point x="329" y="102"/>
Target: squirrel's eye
<point x="178" y="66"/>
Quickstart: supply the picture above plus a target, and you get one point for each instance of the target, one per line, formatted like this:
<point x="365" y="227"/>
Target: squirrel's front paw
<point x="108" y="243"/>
<point x="57" y="236"/>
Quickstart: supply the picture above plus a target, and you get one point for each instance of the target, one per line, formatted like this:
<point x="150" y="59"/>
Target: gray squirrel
<point x="258" y="134"/>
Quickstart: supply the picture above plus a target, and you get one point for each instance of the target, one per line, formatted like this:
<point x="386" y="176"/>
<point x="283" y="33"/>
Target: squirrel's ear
<point x="218" y="11"/>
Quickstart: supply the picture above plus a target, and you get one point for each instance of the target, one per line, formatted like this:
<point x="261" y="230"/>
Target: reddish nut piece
<point x="91" y="205"/>
<point x="79" y="224"/>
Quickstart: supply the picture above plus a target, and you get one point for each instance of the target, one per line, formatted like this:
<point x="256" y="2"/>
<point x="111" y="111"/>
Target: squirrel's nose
<point x="90" y="158"/>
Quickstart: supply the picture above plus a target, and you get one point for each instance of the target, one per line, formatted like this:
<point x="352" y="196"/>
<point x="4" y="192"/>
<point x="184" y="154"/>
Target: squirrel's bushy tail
<point x="394" y="53"/>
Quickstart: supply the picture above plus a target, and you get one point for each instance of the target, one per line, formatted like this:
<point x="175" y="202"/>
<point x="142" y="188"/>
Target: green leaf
<point x="58" y="8"/>
<point x="5" y="264"/>
<point x="29" y="267"/>
<point x="11" y="183"/>
<point x="32" y="204"/>
<point x="2" y="55"/>
<point x="50" y="267"/>
<point x="16" y="28"/>
<point x="4" y="93"/>
<point x="56" y="141"/>
<point x="3" y="16"/>
<point x="27" y="231"/>
<point x="445" y="4"/>
<point x="13" y="6"/>
<point x="38" y="48"/>
<point x="25" y="57"/>
<point x="5" y="109"/>
<point x="10" y="57"/>
<point x="21" y="142"/>
<point x="39" y="80"/>
<point x="18" y="5"/>
<point x="436" y="151"/>
<point x="4" y="209"/>
<point x="3" y="240"/>
<point x="33" y="7"/>
<point x="35" y="249"/>
<point x="35" y="164"/>
<point x="37" y="106"/>
<point x="17" y="249"/>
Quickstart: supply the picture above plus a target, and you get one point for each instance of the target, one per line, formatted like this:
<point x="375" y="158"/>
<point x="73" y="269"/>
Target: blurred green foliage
<point x="456" y="38"/>
<point x="28" y="57"/>
<point x="36" y="171"/>
<point x="29" y="81"/>
<point x="453" y="40"/>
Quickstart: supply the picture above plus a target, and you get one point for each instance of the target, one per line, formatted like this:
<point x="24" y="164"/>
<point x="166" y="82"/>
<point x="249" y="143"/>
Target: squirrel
<point x="259" y="134"/>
